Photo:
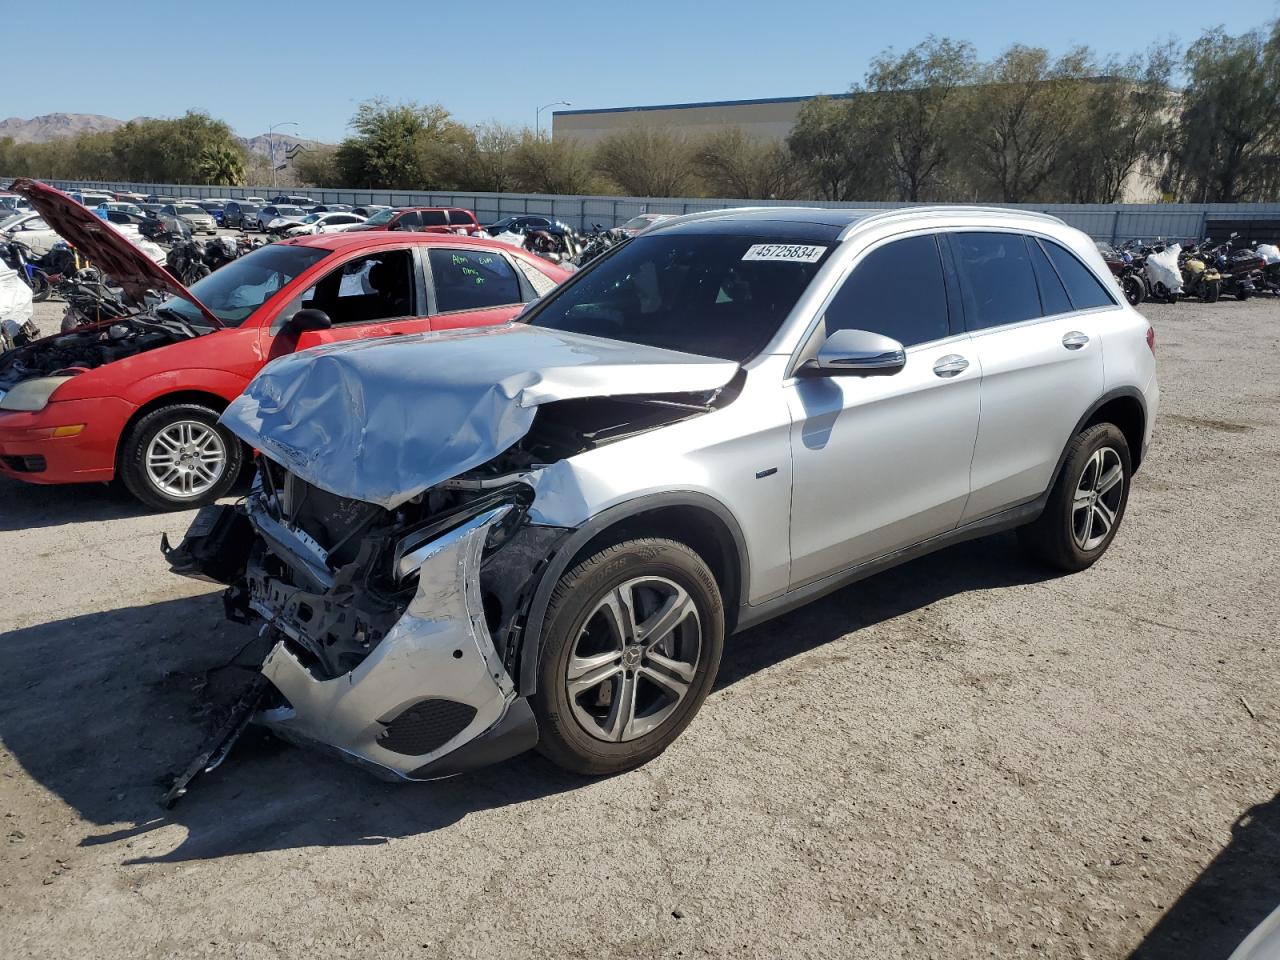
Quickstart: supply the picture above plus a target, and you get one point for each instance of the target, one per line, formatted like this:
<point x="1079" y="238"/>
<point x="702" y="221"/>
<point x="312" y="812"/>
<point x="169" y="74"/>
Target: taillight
<point x="1151" y="340"/>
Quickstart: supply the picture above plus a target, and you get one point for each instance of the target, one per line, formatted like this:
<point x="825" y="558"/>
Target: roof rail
<point x="680" y="218"/>
<point x="906" y="212"/>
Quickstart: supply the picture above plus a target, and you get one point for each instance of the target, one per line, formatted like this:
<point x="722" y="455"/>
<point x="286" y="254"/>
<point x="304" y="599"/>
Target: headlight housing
<point x="31" y="395"/>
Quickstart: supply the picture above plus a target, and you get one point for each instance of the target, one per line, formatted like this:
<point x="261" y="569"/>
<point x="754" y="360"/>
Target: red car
<point x="425" y="220"/>
<point x="139" y="398"/>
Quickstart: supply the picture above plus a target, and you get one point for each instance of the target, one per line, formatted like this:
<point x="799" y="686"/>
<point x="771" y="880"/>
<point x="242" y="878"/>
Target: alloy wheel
<point x="186" y="459"/>
<point x="635" y="659"/>
<point x="1096" y="504"/>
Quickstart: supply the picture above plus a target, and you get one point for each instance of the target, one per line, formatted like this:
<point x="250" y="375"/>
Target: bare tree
<point x="731" y="164"/>
<point x="553" y="166"/>
<point x="646" y="161"/>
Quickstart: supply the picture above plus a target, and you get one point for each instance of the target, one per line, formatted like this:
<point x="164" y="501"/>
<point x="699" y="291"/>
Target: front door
<point x="882" y="462"/>
<point x="374" y="295"/>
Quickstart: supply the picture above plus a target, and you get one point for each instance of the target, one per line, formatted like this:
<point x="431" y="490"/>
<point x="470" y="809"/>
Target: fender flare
<point x="531" y="642"/>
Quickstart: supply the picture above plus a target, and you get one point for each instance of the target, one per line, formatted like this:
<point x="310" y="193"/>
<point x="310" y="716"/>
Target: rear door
<point x="434" y="221"/>
<point x="1033" y="311"/>
<point x="473" y="287"/>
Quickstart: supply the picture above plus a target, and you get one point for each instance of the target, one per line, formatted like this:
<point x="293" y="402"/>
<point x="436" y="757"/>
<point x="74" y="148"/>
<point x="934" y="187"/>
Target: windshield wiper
<point x="182" y="321"/>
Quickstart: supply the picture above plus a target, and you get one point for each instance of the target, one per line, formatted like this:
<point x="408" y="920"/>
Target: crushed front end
<point x="396" y="632"/>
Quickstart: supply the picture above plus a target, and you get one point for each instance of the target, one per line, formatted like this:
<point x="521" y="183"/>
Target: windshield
<point x="637" y="223"/>
<point x="187" y="211"/>
<point x="312" y="217"/>
<point x="233" y="292"/>
<point x="381" y="217"/>
<point x="288" y="212"/>
<point x="718" y="296"/>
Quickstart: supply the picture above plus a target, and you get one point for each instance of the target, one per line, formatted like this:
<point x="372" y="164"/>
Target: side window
<point x="409" y="221"/>
<point x="472" y="280"/>
<point x="461" y="217"/>
<point x="366" y="289"/>
<point x="434" y="218"/>
<point x="1053" y="296"/>
<point x="897" y="290"/>
<point x="996" y="279"/>
<point x="1082" y="286"/>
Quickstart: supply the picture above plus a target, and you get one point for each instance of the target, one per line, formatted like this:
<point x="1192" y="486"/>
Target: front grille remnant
<point x="426" y="726"/>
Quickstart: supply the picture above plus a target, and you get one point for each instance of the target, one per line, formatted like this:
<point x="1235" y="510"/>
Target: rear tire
<point x="40" y="286"/>
<point x="178" y="458"/>
<point x="655" y="603"/>
<point x="1087" y="502"/>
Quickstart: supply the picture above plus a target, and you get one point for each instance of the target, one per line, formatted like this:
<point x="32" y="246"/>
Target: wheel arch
<point x="1127" y="410"/>
<point x="699" y="521"/>
<point x="205" y="398"/>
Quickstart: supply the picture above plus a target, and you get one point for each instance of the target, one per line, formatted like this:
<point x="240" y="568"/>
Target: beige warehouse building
<point x="770" y="119"/>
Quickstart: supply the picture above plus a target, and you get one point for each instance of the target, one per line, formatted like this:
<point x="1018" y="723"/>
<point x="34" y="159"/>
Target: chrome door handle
<point x="950" y="365"/>
<point x="1075" y="340"/>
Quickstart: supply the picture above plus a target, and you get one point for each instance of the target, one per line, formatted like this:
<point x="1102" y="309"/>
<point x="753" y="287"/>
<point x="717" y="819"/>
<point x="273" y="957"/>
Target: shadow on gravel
<point x="28" y="506"/>
<point x="1233" y="895"/>
<point x="99" y="709"/>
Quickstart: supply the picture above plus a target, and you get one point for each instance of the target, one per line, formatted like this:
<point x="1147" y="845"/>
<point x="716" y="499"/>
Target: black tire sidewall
<point x="132" y="469"/>
<point x="562" y="738"/>
<point x="1051" y="536"/>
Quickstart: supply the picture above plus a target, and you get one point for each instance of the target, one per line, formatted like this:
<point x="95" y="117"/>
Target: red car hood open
<point x="110" y="252"/>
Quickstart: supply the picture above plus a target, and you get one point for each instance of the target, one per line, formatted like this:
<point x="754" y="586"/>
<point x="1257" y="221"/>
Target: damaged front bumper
<point x="431" y="698"/>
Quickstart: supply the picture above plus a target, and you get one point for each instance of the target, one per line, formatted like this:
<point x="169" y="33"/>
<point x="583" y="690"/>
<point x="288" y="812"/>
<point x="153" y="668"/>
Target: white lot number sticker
<point x="794" y="252"/>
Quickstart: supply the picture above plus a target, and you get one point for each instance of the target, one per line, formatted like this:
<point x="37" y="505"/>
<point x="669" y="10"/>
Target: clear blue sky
<point x="255" y="63"/>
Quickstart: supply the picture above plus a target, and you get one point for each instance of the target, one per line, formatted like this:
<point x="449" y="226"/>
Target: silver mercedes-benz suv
<point x="466" y="543"/>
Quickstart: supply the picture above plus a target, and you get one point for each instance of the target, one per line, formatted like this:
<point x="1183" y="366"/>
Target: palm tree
<point x="222" y="165"/>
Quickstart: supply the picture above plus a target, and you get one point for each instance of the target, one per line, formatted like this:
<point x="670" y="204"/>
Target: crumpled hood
<point x="382" y="420"/>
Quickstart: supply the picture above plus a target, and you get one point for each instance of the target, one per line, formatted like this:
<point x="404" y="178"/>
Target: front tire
<point x="631" y="648"/>
<point x="1134" y="290"/>
<point x="1086" y="504"/>
<point x="178" y="458"/>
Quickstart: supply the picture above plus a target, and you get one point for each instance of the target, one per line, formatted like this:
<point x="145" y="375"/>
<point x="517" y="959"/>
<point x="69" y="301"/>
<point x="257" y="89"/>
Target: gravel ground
<point x="963" y="757"/>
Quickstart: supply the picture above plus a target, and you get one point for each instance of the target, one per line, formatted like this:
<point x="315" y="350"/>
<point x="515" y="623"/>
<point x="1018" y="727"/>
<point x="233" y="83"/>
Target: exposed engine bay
<point x="84" y="349"/>
<point x="344" y="586"/>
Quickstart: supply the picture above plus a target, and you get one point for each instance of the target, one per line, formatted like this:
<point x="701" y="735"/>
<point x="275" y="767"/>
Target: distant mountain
<point x="261" y="144"/>
<point x="51" y="126"/>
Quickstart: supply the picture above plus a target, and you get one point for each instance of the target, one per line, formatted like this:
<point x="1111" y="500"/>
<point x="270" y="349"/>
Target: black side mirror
<point x="308" y="319"/>
<point x="857" y="353"/>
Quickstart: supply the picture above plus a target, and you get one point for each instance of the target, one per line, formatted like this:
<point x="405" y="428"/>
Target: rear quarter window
<point x="1084" y="289"/>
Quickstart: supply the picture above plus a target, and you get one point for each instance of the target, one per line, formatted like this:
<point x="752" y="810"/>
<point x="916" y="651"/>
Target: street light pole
<point x="271" y="145"/>
<point x="537" y="115"/>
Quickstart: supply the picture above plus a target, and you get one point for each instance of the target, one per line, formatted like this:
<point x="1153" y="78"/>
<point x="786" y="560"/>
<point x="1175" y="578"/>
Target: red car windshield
<point x="235" y="291"/>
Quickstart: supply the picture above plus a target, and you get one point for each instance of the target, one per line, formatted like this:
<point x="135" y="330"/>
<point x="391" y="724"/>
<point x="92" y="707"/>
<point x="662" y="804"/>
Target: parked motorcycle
<point x="1127" y="271"/>
<point x="185" y="261"/>
<point x="1241" y="268"/>
<point x="18" y="256"/>
<point x="1269" y="253"/>
<point x="597" y="241"/>
<point x="1201" y="277"/>
<point x="1163" y="272"/>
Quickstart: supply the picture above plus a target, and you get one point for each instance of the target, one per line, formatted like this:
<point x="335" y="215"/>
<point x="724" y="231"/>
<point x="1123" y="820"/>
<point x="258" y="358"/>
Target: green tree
<point x="836" y="149"/>
<point x="1014" y="121"/>
<point x="221" y="165"/>
<point x="914" y="102"/>
<point x="317" y="167"/>
<point x="406" y="146"/>
<point x="1120" y="127"/>
<point x="1227" y="145"/>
